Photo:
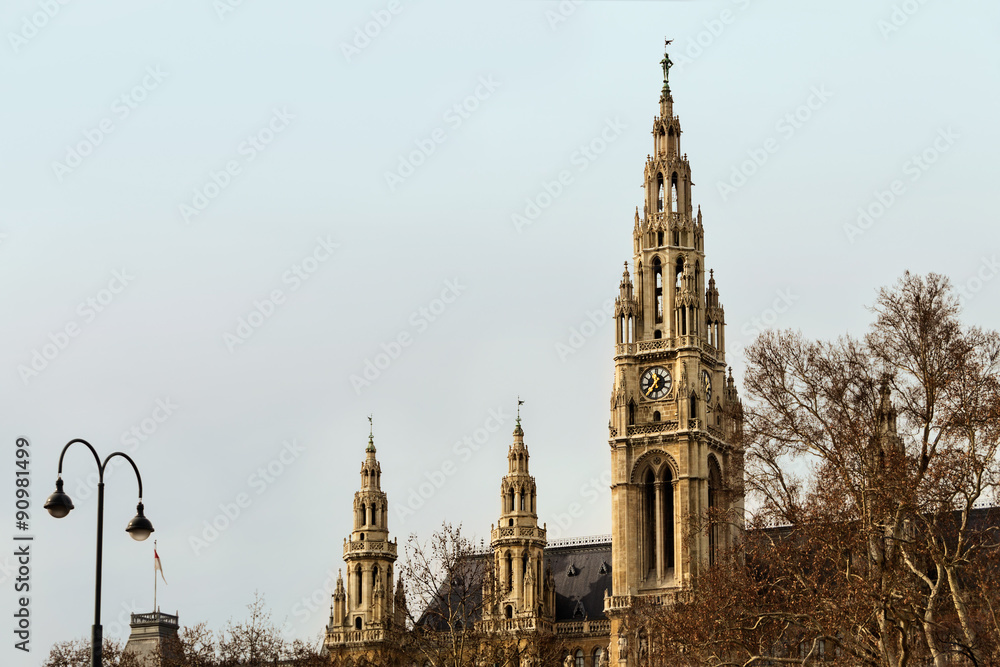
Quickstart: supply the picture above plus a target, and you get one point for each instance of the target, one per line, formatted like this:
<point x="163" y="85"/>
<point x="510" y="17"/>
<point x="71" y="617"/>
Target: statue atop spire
<point x="371" y="436"/>
<point x="667" y="63"/>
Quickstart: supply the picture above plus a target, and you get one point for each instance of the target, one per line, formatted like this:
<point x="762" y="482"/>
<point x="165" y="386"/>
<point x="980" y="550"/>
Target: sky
<point x="231" y="230"/>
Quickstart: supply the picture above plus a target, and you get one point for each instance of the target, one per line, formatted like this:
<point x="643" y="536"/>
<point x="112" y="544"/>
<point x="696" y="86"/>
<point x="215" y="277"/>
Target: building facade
<point x="676" y="460"/>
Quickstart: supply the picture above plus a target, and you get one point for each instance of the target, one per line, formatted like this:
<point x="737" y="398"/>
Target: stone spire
<point x="361" y="601"/>
<point x="517" y="541"/>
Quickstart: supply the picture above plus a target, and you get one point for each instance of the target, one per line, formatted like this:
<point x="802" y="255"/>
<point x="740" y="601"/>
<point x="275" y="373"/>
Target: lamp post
<point x="59" y="505"/>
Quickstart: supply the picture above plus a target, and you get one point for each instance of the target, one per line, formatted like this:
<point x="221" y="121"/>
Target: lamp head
<point x="58" y="504"/>
<point x="139" y="527"/>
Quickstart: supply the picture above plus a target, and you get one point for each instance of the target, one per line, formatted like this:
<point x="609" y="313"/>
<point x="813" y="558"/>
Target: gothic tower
<point x="363" y="605"/>
<point x="675" y="415"/>
<point x="523" y="590"/>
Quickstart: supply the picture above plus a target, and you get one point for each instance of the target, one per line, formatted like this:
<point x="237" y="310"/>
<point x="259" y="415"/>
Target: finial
<point x="519" y="404"/>
<point x="371" y="435"/>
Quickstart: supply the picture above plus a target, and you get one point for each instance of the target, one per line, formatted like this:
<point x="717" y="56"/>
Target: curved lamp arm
<point x="128" y="458"/>
<point x="93" y="451"/>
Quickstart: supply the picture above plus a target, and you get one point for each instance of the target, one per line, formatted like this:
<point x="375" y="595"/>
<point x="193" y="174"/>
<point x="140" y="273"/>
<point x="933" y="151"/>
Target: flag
<point x="157" y="567"/>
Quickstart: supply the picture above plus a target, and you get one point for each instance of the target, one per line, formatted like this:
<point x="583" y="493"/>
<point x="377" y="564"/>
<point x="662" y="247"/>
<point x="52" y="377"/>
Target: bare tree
<point x="450" y="590"/>
<point x="252" y="642"/>
<point x="865" y="461"/>
<point x="76" y="653"/>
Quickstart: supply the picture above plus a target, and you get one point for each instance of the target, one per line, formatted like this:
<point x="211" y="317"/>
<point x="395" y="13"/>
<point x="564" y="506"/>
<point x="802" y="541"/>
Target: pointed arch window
<point x="659" y="195"/>
<point x="714" y="505"/>
<point x="656" y="523"/>
<point x="674" y="204"/>
<point x="657" y="270"/>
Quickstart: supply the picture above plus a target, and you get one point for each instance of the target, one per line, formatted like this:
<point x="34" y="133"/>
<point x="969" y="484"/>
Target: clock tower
<point x="676" y="419"/>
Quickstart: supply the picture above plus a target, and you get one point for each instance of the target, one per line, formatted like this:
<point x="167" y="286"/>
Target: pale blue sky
<point x="879" y="98"/>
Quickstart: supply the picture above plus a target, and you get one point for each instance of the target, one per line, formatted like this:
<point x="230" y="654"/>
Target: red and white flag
<point x="156" y="565"/>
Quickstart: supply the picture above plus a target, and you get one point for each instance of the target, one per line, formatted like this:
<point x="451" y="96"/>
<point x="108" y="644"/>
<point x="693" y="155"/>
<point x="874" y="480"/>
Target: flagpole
<point x="154" y="575"/>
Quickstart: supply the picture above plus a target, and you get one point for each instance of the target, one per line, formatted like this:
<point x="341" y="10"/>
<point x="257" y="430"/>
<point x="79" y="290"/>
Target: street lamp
<point x="59" y="505"/>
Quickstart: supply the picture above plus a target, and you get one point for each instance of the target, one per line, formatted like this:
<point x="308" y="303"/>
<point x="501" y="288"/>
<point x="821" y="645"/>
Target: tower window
<point x="631" y="413"/>
<point x="658" y="288"/>
<point x="659" y="196"/>
<point x="673" y="193"/>
<point x="357" y="622"/>
<point x="656" y="416"/>
<point x="659" y="239"/>
<point x="657" y="334"/>
<point x="714" y="490"/>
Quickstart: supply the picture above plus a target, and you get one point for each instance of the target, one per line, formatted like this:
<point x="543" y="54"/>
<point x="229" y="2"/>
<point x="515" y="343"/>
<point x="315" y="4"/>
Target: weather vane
<point x="371" y="427"/>
<point x="519" y="404"/>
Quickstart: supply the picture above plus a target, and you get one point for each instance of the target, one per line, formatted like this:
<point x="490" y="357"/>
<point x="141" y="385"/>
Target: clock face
<point x="706" y="381"/>
<point x="655" y="383"/>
